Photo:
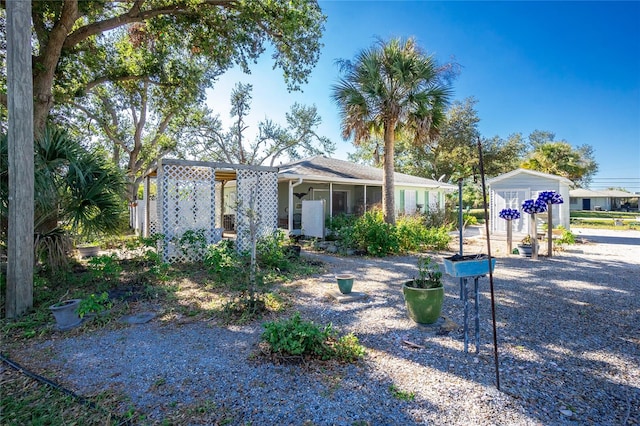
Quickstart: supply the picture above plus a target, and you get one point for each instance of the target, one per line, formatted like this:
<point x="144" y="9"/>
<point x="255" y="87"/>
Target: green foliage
<point x="222" y="257"/>
<point x="94" y="304"/>
<point x="400" y="394"/>
<point x="414" y="235"/>
<point x="75" y="190"/>
<point x="372" y="234"/>
<point x="567" y="236"/>
<point x="297" y="337"/>
<point x="561" y="158"/>
<point x="392" y="82"/>
<point x="271" y="251"/>
<point x="192" y="242"/>
<point x="105" y="267"/>
<point x="429" y="275"/>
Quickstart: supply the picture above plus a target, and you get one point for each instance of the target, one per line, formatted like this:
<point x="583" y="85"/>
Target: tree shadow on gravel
<point x="567" y="329"/>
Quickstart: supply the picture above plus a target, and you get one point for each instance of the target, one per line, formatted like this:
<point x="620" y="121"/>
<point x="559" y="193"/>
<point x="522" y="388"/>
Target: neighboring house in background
<point x="605" y="200"/>
<point x="348" y="188"/>
<point x="509" y="190"/>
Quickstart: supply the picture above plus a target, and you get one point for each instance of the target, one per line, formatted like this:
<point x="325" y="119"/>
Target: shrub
<point x="372" y="234"/>
<point x="222" y="257"/>
<point x="105" y="267"/>
<point x="297" y="337"/>
<point x="271" y="251"/>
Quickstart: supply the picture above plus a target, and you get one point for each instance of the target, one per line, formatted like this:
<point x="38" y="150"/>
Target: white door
<point x="511" y="199"/>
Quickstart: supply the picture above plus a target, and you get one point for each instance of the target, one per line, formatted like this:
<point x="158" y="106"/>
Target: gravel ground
<point x="568" y="330"/>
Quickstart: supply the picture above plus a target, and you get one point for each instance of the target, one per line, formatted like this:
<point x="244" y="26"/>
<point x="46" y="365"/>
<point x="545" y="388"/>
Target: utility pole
<point x="20" y="144"/>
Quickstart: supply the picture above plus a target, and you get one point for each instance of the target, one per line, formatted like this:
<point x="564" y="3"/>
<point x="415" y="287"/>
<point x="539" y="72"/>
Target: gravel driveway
<point x="568" y="339"/>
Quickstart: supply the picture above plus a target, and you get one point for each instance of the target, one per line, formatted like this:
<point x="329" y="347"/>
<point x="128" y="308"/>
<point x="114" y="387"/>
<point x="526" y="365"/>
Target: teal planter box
<point x="469" y="265"/>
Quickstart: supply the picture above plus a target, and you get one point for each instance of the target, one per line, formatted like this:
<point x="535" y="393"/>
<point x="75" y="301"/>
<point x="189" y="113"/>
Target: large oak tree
<point x="72" y="39"/>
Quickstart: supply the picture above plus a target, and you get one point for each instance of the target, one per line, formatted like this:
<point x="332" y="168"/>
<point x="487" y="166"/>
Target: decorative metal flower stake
<point x="549" y="198"/>
<point x="532" y="207"/>
<point x="509" y="215"/>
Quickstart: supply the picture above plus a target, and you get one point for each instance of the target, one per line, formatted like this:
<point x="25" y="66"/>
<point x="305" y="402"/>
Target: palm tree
<point x="75" y="190"/>
<point x="390" y="88"/>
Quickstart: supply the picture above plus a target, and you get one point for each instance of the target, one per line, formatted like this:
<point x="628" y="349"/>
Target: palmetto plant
<point x="75" y="191"/>
<point x="391" y="89"/>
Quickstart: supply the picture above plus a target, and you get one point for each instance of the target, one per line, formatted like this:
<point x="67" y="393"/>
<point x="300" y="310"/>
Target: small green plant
<point x="192" y="243"/>
<point x="567" y="236"/>
<point x="271" y="251"/>
<point x="296" y="337"/>
<point x="105" y="267"/>
<point x="429" y="275"/>
<point x="221" y="258"/>
<point x="400" y="394"/>
<point x="94" y="304"/>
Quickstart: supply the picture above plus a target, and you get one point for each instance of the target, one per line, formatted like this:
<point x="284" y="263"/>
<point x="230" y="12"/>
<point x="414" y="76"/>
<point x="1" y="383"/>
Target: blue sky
<point x="572" y="68"/>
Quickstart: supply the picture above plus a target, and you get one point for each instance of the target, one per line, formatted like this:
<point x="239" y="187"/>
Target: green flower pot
<point x="423" y="304"/>
<point x="345" y="283"/>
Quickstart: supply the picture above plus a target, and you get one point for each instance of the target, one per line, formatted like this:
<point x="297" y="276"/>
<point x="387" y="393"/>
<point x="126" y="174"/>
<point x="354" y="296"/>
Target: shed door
<point x="586" y="204"/>
<point x="511" y="199"/>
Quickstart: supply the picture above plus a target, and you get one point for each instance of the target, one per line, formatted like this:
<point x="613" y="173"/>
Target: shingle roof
<point x="332" y="169"/>
<point x="608" y="193"/>
<point x="528" y="172"/>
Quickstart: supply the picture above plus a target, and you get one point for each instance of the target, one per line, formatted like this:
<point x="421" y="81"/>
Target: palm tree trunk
<point x="388" y="186"/>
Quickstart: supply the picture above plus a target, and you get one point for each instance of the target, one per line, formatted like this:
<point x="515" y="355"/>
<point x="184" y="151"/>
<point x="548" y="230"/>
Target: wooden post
<point x="549" y="230"/>
<point x="534" y="237"/>
<point x="509" y="237"/>
<point x="20" y="146"/>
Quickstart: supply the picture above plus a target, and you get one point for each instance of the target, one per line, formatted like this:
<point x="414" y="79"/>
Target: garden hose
<point x="119" y="420"/>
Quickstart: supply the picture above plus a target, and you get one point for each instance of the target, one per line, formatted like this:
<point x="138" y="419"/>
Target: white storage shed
<point x="509" y="190"/>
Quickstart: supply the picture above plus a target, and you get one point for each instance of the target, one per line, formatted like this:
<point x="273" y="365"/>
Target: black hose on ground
<point x="120" y="421"/>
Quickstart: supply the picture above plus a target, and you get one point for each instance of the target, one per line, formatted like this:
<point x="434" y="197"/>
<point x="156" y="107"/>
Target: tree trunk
<point x="45" y="65"/>
<point x="20" y="256"/>
<point x="388" y="186"/>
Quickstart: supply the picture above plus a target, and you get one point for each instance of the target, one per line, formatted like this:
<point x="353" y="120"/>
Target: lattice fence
<point x="257" y="200"/>
<point x="186" y="203"/>
<point x="189" y="199"/>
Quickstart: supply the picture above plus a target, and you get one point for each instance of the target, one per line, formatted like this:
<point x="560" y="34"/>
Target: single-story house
<point x="606" y="200"/>
<point x="509" y="190"/>
<point x="344" y="187"/>
<point x="308" y="192"/>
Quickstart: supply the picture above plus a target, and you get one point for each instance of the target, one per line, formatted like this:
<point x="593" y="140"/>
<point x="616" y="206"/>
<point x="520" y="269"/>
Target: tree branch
<point x="135" y="15"/>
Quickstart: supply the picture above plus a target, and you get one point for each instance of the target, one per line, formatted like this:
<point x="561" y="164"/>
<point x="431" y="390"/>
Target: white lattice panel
<point x="187" y="202"/>
<point x="257" y="195"/>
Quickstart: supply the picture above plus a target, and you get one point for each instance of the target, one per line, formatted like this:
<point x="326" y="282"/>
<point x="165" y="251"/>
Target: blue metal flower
<point x="509" y="214"/>
<point x="550" y="197"/>
<point x="532" y="207"/>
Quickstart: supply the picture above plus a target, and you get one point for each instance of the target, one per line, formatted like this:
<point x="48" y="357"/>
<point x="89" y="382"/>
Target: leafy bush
<point x="94" y="304"/>
<point x="272" y="252"/>
<point x="297" y="337"/>
<point x="105" y="267"/>
<point x="372" y="234"/>
<point x="221" y="258"/>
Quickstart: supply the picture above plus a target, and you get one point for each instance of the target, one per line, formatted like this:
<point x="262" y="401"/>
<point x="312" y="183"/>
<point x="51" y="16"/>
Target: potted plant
<point x="424" y="295"/>
<point x="66" y="313"/>
<point x="345" y="283"/>
<point x="525" y="248"/>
